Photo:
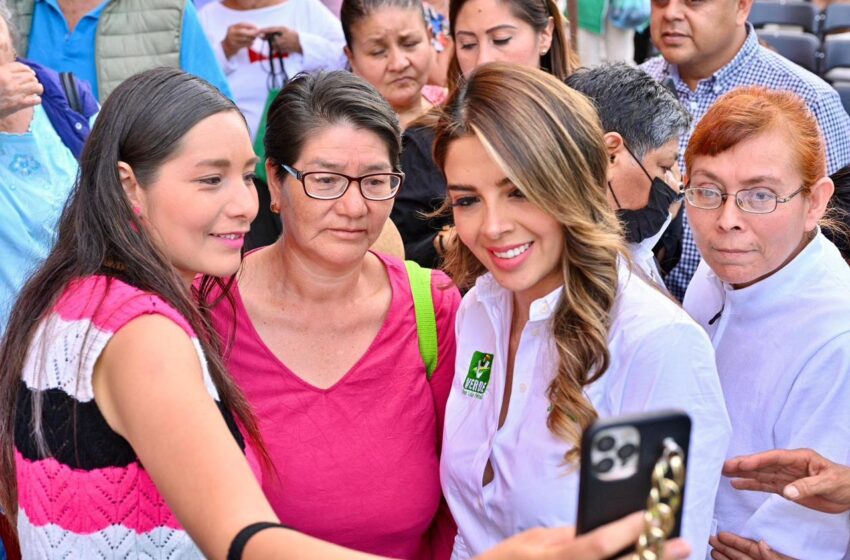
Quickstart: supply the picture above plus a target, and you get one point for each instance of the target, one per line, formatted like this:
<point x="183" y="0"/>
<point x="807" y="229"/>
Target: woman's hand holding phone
<point x="563" y="544"/>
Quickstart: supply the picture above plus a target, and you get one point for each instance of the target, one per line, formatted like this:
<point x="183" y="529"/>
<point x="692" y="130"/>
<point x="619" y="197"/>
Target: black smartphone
<point x="618" y="456"/>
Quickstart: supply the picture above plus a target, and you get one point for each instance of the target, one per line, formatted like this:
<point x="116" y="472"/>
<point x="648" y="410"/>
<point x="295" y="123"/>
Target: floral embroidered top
<point x="37" y="172"/>
<point x="438" y="26"/>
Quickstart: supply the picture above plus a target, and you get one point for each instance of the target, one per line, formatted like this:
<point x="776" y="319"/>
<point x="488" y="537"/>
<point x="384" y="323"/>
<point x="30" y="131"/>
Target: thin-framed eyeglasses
<point x="758" y="200"/>
<point x="328" y="185"/>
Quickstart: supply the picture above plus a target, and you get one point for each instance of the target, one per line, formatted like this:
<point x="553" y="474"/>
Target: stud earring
<point x="274" y="207"/>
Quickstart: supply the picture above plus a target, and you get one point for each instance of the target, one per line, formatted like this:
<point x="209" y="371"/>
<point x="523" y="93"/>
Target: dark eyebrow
<point x="377" y="168"/>
<point x="708" y="174"/>
<point x="220" y="163"/>
<point x="501" y="27"/>
<point x="759" y="179"/>
<point x="378" y="41"/>
<point x="504" y="182"/>
<point x="491" y="30"/>
<point x="323" y="164"/>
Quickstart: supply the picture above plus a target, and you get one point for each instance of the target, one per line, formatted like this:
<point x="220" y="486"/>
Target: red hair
<point x="747" y="112"/>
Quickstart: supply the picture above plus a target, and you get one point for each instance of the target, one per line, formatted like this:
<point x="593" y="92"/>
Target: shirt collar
<point x="489" y="292"/>
<point x="95" y="12"/>
<point x="727" y="73"/>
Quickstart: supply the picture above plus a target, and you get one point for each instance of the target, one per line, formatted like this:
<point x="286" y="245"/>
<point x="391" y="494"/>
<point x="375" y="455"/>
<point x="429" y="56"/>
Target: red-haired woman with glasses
<point x="772" y="294"/>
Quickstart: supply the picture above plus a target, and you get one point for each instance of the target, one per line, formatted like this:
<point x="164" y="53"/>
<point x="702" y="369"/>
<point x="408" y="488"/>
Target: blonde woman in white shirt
<point x="556" y="330"/>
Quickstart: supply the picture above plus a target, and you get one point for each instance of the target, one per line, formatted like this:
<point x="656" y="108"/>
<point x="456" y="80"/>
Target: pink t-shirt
<point x="357" y="463"/>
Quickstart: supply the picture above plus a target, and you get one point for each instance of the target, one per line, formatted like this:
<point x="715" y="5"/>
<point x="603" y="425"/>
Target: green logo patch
<point x="478" y="377"/>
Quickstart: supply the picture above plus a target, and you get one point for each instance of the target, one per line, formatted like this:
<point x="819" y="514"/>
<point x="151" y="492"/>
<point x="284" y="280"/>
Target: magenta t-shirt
<point x="358" y="463"/>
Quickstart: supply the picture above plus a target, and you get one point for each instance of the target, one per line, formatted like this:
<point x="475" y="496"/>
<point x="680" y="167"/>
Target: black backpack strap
<point x="69" y="86"/>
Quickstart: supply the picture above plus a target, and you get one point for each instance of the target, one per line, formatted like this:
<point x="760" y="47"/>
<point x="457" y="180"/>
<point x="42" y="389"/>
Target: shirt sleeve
<point x="835" y="126"/>
<point x="196" y="54"/>
<point x="673" y="367"/>
<point x="815" y="415"/>
<point x="322" y="41"/>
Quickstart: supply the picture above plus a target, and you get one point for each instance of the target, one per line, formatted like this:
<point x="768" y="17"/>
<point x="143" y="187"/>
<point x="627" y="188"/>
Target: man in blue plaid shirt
<point x="708" y="49"/>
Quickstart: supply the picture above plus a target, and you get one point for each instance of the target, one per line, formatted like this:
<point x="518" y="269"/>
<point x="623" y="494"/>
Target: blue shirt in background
<point x="37" y="173"/>
<point x="54" y="46"/>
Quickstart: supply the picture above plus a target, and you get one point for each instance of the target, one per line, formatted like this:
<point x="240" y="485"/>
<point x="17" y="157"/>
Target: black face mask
<point x="647" y="221"/>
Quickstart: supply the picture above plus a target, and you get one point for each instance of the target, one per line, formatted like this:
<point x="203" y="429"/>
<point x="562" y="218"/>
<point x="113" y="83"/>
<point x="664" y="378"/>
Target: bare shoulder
<point x="148" y="361"/>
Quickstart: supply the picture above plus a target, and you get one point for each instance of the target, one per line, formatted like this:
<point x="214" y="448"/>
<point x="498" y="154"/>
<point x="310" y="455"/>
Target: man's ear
<point x="132" y="190"/>
<point x="742" y="11"/>
<point x="818" y="198"/>
<point x="616" y="149"/>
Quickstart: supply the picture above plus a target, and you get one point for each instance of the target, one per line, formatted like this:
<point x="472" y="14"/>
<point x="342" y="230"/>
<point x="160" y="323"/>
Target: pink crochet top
<point x="89" y="497"/>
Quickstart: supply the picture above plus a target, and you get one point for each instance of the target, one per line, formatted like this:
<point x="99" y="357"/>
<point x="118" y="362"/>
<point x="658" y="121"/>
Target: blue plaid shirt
<point x="754" y="65"/>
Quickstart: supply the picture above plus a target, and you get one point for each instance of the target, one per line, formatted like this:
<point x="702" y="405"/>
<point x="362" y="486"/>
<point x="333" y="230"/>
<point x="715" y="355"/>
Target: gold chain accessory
<point x="663" y="503"/>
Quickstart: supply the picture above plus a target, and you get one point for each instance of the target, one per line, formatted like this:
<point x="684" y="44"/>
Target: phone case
<point x="617" y="458"/>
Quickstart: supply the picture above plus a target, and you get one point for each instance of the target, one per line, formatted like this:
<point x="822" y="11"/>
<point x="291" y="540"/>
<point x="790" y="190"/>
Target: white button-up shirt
<point x="783" y="355"/>
<point x="660" y="359"/>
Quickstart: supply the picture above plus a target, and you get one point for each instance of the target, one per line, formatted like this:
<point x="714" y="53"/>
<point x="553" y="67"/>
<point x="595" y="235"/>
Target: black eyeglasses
<point x="326" y="185"/>
<point x="754" y="201"/>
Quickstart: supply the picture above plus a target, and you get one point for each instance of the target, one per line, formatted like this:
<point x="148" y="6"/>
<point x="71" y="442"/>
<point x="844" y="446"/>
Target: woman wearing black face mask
<point x="643" y="122"/>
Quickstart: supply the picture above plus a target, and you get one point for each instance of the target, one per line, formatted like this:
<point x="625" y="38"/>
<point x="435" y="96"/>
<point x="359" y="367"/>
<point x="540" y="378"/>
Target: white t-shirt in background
<point x="783" y="356"/>
<point x="247" y="72"/>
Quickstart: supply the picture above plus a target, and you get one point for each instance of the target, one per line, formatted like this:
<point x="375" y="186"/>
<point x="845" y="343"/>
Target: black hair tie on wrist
<point x="237" y="545"/>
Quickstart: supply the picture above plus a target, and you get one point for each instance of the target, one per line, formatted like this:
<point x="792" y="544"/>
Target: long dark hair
<point x="142" y="124"/>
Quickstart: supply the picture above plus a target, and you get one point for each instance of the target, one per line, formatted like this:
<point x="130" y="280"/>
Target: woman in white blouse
<point x="556" y="330"/>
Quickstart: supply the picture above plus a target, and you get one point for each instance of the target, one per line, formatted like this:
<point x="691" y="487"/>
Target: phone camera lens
<point x="604" y="466"/>
<point x="626" y="451"/>
<point x="605" y="443"/>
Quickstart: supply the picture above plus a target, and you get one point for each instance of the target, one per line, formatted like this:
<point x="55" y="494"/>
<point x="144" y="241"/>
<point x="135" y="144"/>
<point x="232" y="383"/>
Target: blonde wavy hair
<point x="547" y="138"/>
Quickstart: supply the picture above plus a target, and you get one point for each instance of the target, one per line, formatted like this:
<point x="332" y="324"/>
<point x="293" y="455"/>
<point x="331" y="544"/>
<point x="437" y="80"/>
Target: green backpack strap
<point x="259" y="139"/>
<point x="426" y="321"/>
